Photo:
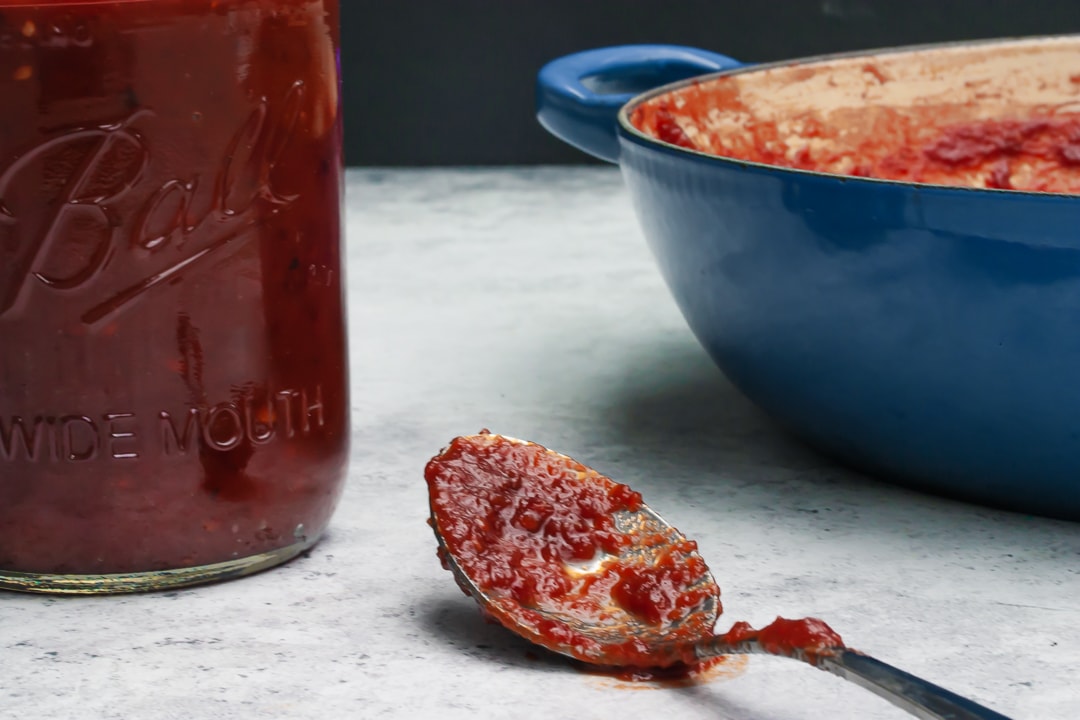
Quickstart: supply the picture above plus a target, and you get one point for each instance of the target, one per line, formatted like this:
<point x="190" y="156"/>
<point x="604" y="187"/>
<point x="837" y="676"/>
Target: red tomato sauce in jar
<point x="537" y="533"/>
<point x="173" y="370"/>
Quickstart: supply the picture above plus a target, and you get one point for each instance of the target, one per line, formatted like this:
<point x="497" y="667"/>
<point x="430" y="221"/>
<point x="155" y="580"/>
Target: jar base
<point x="119" y="583"/>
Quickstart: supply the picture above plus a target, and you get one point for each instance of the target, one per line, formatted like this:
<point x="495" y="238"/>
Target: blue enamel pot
<point x="925" y="333"/>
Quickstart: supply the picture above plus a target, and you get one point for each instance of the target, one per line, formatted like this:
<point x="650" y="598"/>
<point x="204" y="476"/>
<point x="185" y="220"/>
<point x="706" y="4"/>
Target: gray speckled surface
<point x="526" y="301"/>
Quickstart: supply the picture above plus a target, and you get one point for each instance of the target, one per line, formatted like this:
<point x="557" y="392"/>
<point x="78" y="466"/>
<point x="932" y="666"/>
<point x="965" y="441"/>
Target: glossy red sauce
<point x="1038" y="150"/>
<point x="172" y="346"/>
<point x="808" y="637"/>
<point x="521" y="521"/>
<point x="525" y="524"/>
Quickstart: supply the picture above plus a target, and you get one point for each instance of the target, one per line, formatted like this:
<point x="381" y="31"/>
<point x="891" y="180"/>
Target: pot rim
<point x="628" y="132"/>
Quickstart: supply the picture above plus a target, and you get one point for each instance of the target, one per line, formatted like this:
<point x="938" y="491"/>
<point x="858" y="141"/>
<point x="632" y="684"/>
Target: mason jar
<point x="174" y="402"/>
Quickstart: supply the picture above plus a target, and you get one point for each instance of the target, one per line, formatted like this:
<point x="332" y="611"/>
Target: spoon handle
<point x="920" y="698"/>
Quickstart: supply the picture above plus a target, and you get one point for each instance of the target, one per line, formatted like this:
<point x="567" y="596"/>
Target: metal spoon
<point x="607" y="640"/>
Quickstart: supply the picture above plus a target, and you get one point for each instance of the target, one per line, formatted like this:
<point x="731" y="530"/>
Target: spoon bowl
<point x="654" y="538"/>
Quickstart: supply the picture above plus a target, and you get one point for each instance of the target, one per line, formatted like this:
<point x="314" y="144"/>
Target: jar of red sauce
<point x="173" y="374"/>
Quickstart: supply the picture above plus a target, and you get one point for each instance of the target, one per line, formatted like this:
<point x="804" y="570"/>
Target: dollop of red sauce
<point x="536" y="532"/>
<point x="805" y="638"/>
<point x="1037" y="150"/>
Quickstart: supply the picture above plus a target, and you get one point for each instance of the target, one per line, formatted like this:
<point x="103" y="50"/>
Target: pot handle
<point x="578" y="96"/>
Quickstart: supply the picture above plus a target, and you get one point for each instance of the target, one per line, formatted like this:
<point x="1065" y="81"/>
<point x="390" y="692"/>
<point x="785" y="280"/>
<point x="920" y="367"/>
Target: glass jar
<point x="173" y="374"/>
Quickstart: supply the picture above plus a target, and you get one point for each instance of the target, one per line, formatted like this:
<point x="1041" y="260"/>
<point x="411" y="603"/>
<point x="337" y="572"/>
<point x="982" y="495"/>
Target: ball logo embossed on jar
<point x="106" y="165"/>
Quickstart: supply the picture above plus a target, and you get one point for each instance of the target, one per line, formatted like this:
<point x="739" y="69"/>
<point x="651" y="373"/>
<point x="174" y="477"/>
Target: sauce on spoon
<point x="577" y="563"/>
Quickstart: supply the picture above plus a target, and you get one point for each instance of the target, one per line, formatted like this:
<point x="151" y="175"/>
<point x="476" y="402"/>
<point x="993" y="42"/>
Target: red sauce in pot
<point x="172" y="348"/>
<point x="1039" y="150"/>
<point x="535" y="531"/>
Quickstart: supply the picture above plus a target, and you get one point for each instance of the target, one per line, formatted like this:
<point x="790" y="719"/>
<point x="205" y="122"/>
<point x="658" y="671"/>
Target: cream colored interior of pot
<point x="836" y="108"/>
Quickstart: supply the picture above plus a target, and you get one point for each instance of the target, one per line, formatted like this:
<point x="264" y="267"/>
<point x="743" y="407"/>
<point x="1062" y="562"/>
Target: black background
<point x="450" y="82"/>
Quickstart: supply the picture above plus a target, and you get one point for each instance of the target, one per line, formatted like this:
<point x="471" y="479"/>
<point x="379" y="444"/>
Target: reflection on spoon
<point x="577" y="563"/>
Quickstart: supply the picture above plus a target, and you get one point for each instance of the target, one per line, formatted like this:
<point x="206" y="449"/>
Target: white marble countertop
<point x="527" y="302"/>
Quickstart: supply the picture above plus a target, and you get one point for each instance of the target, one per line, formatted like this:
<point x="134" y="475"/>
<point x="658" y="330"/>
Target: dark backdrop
<point x="450" y="82"/>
